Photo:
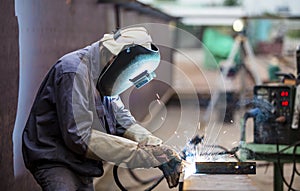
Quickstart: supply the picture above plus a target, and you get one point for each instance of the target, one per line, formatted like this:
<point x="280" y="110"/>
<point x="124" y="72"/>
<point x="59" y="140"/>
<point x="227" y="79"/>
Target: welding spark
<point x="189" y="168"/>
<point x="158" y="101"/>
<point x="158" y="97"/>
<point x="199" y="126"/>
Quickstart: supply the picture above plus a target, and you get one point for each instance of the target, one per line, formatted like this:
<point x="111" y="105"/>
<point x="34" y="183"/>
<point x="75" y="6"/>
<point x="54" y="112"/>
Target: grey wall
<point x="9" y="69"/>
<point x="48" y="30"/>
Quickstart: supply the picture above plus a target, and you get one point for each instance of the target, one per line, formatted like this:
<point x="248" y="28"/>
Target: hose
<point x="117" y="180"/>
<point x="156" y="180"/>
<point x="136" y="178"/>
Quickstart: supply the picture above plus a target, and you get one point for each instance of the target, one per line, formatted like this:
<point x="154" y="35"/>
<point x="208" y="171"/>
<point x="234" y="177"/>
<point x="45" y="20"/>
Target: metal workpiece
<point x="225" y="167"/>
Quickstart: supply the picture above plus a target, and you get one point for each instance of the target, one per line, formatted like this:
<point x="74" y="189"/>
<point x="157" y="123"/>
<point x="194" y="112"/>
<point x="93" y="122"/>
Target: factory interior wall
<point x="9" y="69"/>
<point x="34" y="34"/>
<point x="47" y="30"/>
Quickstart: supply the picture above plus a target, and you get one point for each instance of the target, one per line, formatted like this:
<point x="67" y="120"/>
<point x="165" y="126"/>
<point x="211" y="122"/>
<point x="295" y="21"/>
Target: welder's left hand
<point x="171" y="165"/>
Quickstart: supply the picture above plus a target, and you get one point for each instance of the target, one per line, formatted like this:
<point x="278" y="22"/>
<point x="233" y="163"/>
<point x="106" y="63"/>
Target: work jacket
<point x="67" y="106"/>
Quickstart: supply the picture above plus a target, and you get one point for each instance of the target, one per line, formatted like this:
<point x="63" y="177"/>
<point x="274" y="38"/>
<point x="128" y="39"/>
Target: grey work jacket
<point x="66" y="108"/>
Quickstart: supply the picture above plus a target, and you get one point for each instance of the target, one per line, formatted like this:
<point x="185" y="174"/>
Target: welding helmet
<point x="134" y="61"/>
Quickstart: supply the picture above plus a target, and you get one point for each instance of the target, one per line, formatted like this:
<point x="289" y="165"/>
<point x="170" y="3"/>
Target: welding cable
<point x="156" y="180"/>
<point x="222" y="153"/>
<point x="136" y="178"/>
<point x="289" y="185"/>
<point x="116" y="177"/>
<point x="295" y="171"/>
<point x="217" y="146"/>
<point x="155" y="184"/>
<point x="289" y="146"/>
<point x="253" y="153"/>
<point x="233" y="151"/>
<point x="257" y="155"/>
<point x="294" y="160"/>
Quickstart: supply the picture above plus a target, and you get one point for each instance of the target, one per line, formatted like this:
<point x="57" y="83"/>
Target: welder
<point x="78" y="119"/>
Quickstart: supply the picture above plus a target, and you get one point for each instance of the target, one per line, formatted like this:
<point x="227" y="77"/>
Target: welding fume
<point x="78" y="120"/>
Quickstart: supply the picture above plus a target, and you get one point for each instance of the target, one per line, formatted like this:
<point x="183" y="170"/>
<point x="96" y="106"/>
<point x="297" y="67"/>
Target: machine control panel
<point x="280" y="97"/>
<point x="277" y="128"/>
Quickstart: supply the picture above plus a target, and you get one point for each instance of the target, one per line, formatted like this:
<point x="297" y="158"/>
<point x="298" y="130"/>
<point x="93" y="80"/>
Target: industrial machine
<point x="277" y="127"/>
<point x="276" y="132"/>
<point x="276" y="118"/>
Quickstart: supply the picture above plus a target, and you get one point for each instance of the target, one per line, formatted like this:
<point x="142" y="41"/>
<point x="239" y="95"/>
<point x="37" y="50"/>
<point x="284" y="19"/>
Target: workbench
<point x="232" y="182"/>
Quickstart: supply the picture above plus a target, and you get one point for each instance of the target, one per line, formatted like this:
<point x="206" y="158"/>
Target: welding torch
<point x="192" y="143"/>
<point x="184" y="154"/>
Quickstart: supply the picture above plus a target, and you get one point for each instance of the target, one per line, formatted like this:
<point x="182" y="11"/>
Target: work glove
<point x="171" y="171"/>
<point x="170" y="164"/>
<point x="119" y="150"/>
<point x="141" y="135"/>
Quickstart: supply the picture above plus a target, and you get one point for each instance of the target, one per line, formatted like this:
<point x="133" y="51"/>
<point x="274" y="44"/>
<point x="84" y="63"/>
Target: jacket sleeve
<point x="122" y="115"/>
<point x="132" y="130"/>
<point x="74" y="112"/>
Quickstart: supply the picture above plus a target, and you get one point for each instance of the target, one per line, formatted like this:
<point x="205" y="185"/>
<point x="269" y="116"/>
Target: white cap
<point x="135" y="35"/>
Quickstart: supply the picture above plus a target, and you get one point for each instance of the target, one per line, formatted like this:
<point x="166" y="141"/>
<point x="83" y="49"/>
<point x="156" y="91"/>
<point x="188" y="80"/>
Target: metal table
<point x="269" y="152"/>
<point x="232" y="182"/>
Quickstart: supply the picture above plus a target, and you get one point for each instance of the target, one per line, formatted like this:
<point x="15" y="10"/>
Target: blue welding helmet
<point x="133" y="66"/>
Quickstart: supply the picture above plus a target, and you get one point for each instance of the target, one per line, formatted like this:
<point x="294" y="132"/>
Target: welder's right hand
<point x="170" y="164"/>
<point x="171" y="171"/>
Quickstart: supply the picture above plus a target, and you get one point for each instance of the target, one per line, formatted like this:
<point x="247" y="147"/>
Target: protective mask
<point x="134" y="65"/>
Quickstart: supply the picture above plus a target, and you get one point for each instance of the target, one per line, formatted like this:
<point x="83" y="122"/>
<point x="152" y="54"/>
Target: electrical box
<point x="276" y="129"/>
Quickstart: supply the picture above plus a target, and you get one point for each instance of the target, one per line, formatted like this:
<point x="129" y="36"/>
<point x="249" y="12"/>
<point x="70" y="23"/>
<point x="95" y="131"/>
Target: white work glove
<point x="141" y="135"/>
<point x="122" y="151"/>
<point x="119" y="150"/>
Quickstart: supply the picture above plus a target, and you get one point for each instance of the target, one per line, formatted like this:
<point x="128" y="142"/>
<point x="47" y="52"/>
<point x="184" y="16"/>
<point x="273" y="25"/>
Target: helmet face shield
<point x="143" y="79"/>
<point x="134" y="65"/>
